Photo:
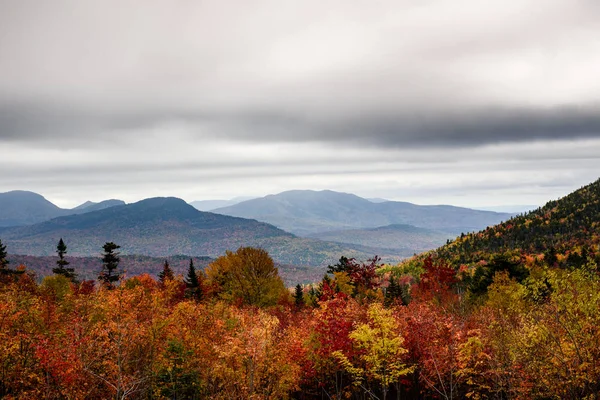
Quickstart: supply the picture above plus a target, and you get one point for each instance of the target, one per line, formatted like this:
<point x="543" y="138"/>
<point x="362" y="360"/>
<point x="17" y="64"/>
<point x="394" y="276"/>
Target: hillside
<point x="306" y="212"/>
<point x="167" y="226"/>
<point x="568" y="228"/>
<point x="21" y="207"/>
<point x="403" y="239"/>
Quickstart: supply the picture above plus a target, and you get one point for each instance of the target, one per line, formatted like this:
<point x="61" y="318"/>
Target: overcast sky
<point x="464" y="102"/>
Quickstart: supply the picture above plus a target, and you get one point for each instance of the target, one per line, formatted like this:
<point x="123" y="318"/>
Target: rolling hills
<point x="306" y="212"/>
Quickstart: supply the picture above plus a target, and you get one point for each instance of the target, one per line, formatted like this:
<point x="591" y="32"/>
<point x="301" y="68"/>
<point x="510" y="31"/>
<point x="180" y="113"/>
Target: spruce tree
<point x="166" y="274"/>
<point x="299" y="296"/>
<point x="3" y="260"/>
<point x="61" y="250"/>
<point x="192" y="282"/>
<point x="110" y="263"/>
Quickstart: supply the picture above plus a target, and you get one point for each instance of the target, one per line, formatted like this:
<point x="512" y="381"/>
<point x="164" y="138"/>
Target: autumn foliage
<point x="532" y="337"/>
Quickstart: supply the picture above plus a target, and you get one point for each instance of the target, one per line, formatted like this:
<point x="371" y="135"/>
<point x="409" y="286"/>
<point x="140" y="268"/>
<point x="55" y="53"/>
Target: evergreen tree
<point x="299" y="296"/>
<point x="5" y="272"/>
<point x="110" y="263"/>
<point x="192" y="282"/>
<point x="166" y="274"/>
<point x="3" y="260"/>
<point x="61" y="250"/>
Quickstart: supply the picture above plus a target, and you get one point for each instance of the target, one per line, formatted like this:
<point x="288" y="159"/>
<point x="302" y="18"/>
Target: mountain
<point x="405" y="240"/>
<point x="21" y="207"/>
<point x="565" y="230"/>
<point x="306" y="212"/>
<point x="168" y="226"/>
<point x="90" y="206"/>
<point x="209" y="205"/>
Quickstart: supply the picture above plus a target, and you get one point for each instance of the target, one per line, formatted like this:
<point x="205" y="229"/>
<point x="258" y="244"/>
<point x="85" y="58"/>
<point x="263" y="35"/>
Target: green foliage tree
<point x="299" y="296"/>
<point x="5" y="272"/>
<point x="110" y="262"/>
<point x="166" y="274"/>
<point x="3" y="258"/>
<point x="248" y="276"/>
<point x="61" y="269"/>
<point x="192" y="281"/>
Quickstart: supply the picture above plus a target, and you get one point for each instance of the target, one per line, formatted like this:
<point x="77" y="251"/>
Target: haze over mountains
<point x="306" y="212"/>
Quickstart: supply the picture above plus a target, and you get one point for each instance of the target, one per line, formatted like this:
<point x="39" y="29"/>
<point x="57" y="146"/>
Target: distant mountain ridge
<point x="21" y="207"/>
<point x="306" y="212"/>
<point x="89" y="206"/>
<point x="168" y="226"/>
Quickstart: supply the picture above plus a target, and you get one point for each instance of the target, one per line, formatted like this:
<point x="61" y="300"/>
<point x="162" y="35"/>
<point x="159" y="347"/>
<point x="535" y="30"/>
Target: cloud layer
<point x="292" y="94"/>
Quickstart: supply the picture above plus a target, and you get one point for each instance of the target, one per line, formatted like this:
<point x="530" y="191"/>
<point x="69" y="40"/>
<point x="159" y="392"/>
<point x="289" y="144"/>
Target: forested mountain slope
<point x="568" y="228"/>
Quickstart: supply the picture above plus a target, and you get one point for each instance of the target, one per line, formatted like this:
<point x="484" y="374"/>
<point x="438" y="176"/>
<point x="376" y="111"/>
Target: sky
<point x="464" y="102"/>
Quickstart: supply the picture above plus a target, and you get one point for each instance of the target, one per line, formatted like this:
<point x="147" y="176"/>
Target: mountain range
<point x="307" y="212"/>
<point x="331" y="223"/>
<point x="169" y="226"/>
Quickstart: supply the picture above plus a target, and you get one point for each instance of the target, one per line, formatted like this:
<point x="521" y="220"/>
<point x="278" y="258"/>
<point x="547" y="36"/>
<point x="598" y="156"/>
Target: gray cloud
<point x="396" y="74"/>
<point x="218" y="98"/>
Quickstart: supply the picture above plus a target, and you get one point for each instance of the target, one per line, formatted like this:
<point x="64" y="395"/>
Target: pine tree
<point x="110" y="263"/>
<point x="193" y="282"/>
<point x="166" y="274"/>
<point x="61" y="250"/>
<point x="299" y="296"/>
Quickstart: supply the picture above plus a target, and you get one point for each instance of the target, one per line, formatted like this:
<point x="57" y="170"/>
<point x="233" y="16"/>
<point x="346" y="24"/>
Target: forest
<point x="366" y="331"/>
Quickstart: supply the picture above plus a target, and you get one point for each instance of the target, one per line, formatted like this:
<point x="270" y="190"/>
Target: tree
<point x="166" y="274"/>
<point x="247" y="276"/>
<point x="110" y="263"/>
<point x="299" y="296"/>
<point x="193" y="282"/>
<point x="6" y="272"/>
<point x="3" y="260"/>
<point x="61" y="250"/>
<point x="381" y="356"/>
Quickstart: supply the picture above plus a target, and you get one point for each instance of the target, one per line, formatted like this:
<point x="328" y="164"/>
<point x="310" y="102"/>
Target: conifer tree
<point x="392" y="292"/>
<point x="299" y="296"/>
<point x="110" y="263"/>
<point x="3" y="260"/>
<point x="61" y="250"/>
<point x="166" y="274"/>
<point x="192" y="282"/>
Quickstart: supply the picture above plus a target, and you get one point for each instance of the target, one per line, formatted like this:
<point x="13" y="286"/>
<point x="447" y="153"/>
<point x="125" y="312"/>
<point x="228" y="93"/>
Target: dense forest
<point x="512" y="312"/>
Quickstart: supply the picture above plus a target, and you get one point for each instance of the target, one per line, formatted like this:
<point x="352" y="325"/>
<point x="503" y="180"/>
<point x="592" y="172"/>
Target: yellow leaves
<point x="381" y="349"/>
